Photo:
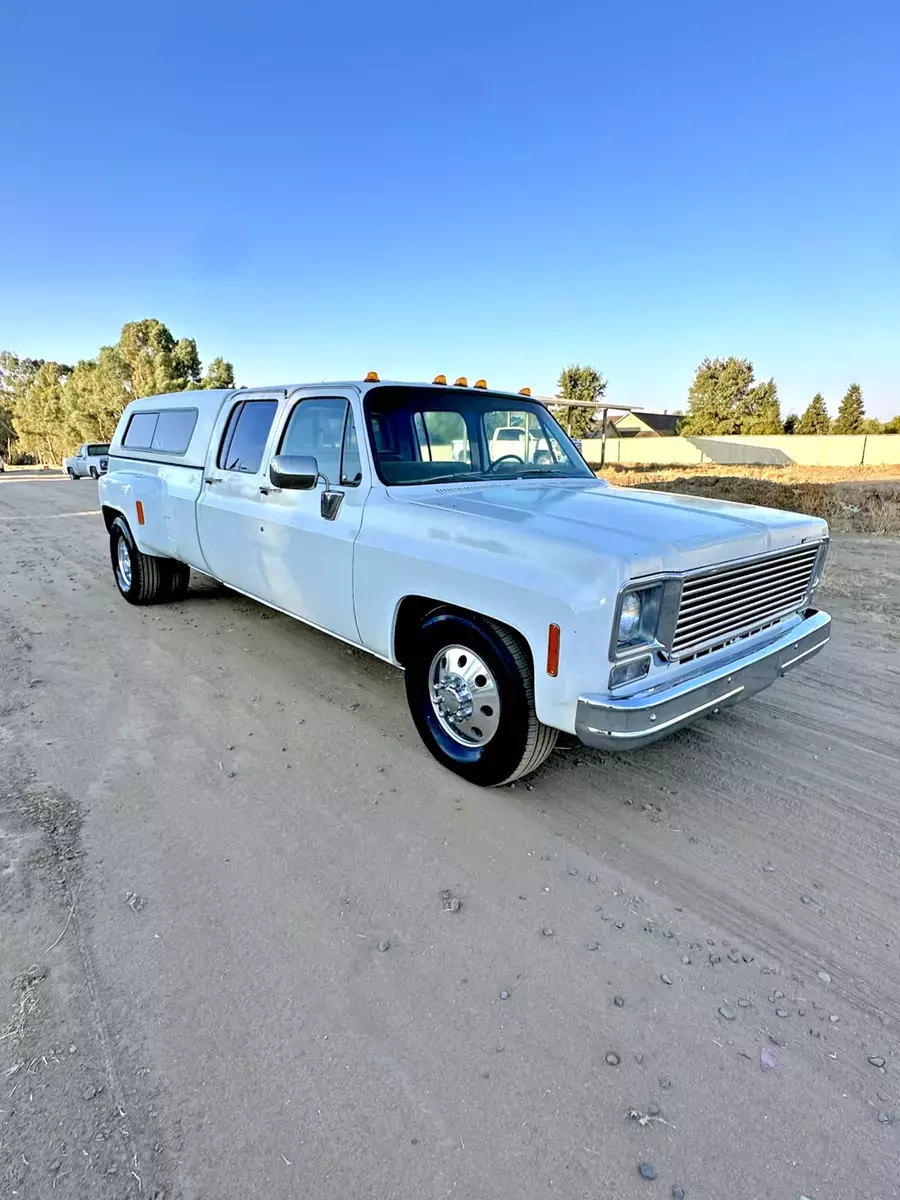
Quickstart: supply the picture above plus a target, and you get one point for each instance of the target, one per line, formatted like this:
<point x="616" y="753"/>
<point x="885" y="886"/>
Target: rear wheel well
<point x="109" y="515"/>
<point x="414" y="609"/>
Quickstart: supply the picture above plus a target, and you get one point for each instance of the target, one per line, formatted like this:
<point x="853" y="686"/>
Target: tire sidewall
<point x="118" y="531"/>
<point x="484" y="765"/>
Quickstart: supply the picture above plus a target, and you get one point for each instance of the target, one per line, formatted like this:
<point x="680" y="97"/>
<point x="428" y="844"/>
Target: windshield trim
<point x="443" y="400"/>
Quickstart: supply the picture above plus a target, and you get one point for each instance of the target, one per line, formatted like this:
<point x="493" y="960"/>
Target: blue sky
<point x="314" y="190"/>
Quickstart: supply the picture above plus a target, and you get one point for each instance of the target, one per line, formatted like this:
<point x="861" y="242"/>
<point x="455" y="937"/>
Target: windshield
<point x="431" y="435"/>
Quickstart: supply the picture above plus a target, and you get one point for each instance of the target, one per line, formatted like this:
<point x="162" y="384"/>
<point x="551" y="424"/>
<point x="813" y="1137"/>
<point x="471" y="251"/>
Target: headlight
<point x="630" y="617"/>
<point x="639" y="616"/>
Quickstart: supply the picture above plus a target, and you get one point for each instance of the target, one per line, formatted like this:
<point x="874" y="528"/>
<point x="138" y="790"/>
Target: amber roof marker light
<point x="480" y="383"/>
<point x="372" y="377"/>
<point x="524" y="391"/>
<point x="461" y="382"/>
<point x="441" y="379"/>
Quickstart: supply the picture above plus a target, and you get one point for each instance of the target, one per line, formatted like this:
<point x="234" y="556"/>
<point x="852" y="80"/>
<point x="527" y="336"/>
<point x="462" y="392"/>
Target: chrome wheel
<point x="123" y="565"/>
<point x="464" y="696"/>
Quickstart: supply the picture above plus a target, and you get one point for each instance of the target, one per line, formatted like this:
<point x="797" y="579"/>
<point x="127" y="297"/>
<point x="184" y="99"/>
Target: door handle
<point x="268" y="491"/>
<point x="211" y="481"/>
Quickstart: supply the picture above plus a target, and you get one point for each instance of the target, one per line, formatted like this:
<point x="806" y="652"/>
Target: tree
<point x="851" y="412"/>
<point x="891" y="426"/>
<point x="581" y="384"/>
<point x="790" y="423"/>
<point x="38" y="417"/>
<point x="219" y="374"/>
<point x="815" y="419"/>
<point x="96" y="393"/>
<point x="759" y="412"/>
<point x="16" y="375"/>
<point x="52" y="407"/>
<point x="154" y="361"/>
<point x="723" y="399"/>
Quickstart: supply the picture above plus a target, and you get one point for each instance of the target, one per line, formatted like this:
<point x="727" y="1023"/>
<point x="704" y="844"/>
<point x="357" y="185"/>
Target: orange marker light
<point x="525" y="391"/>
<point x="480" y="383"/>
<point x="140" y="512"/>
<point x="553" y="650"/>
<point x="461" y="382"/>
<point x="439" y="379"/>
<point x="372" y="377"/>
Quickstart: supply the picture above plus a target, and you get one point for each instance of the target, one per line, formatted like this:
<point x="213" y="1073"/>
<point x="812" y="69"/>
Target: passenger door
<point x="231" y="506"/>
<point x="306" y="558"/>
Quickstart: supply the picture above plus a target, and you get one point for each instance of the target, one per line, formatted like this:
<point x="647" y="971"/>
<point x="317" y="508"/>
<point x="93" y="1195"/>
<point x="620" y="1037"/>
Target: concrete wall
<point x="828" y="450"/>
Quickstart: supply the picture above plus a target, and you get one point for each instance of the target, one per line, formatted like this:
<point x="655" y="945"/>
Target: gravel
<point x="824" y="977"/>
<point x="726" y="1013"/>
<point x="619" y="1002"/>
<point x="647" y="1170"/>
<point x="612" y="1060"/>
<point x="666" y="979"/>
<point x="876" y="1060"/>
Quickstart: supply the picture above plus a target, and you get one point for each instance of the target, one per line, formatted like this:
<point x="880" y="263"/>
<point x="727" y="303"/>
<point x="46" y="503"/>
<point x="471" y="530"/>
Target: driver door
<point x="306" y="556"/>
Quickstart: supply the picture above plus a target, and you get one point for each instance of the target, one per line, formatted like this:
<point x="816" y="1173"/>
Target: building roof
<point x="664" y="424"/>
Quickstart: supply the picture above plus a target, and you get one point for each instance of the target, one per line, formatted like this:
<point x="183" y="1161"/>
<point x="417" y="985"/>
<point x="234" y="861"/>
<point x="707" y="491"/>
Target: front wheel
<point x="72" y="475"/>
<point x="94" y="474"/>
<point x="471" y="695"/>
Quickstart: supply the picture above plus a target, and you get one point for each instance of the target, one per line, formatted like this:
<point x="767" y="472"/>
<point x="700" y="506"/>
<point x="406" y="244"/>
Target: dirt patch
<point x="76" y="1119"/>
<point x="848" y="507"/>
<point x="634" y="474"/>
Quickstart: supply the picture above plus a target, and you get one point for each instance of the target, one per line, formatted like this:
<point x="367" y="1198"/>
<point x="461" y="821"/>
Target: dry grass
<point x="852" y="500"/>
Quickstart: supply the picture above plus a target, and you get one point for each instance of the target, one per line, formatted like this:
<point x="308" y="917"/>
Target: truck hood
<point x="647" y="531"/>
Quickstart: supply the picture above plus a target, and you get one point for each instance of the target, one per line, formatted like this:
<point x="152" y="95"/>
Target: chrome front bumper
<point x="634" y="721"/>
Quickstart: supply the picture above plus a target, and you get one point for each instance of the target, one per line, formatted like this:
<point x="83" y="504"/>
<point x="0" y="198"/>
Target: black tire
<point x="179" y="578"/>
<point x="94" y="474"/>
<point x="521" y="742"/>
<point x="72" y="475"/>
<point x="149" y="578"/>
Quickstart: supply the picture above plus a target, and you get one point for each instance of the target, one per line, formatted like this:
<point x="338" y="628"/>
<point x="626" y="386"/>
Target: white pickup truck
<point x="91" y="459"/>
<point x="521" y="597"/>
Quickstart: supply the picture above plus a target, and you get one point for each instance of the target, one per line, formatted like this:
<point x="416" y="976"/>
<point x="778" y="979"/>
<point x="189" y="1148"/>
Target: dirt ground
<point x="852" y="499"/>
<point x="211" y="818"/>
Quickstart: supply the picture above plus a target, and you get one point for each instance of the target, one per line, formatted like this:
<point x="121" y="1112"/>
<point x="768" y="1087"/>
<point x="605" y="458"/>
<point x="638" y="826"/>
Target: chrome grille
<point x="726" y="603"/>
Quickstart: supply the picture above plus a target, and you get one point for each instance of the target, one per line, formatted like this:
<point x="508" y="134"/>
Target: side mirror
<point x="294" y="472"/>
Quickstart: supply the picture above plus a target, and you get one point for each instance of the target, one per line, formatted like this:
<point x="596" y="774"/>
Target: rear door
<point x="306" y="559"/>
<point x="231" y="506"/>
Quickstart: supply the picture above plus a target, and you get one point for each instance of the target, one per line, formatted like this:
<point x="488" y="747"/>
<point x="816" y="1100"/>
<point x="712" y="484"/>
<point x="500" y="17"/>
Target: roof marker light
<point x="480" y="383"/>
<point x="461" y="382"/>
<point x="442" y="379"/>
<point x="372" y="377"/>
<point x="525" y="391"/>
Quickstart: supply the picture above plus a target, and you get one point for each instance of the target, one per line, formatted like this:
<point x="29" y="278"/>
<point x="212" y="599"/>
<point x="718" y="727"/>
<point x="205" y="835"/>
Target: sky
<point x="492" y="189"/>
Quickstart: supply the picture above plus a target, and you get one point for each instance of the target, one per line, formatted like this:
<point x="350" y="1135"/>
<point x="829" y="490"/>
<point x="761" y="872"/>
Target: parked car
<point x="521" y="598"/>
<point x="92" y="459"/>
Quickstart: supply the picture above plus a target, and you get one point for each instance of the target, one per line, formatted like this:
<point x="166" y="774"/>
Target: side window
<point x="442" y="437"/>
<point x="141" y="428"/>
<point x="173" y="431"/>
<point x="351" y="463"/>
<point x="246" y="434"/>
<point x="325" y="430"/>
